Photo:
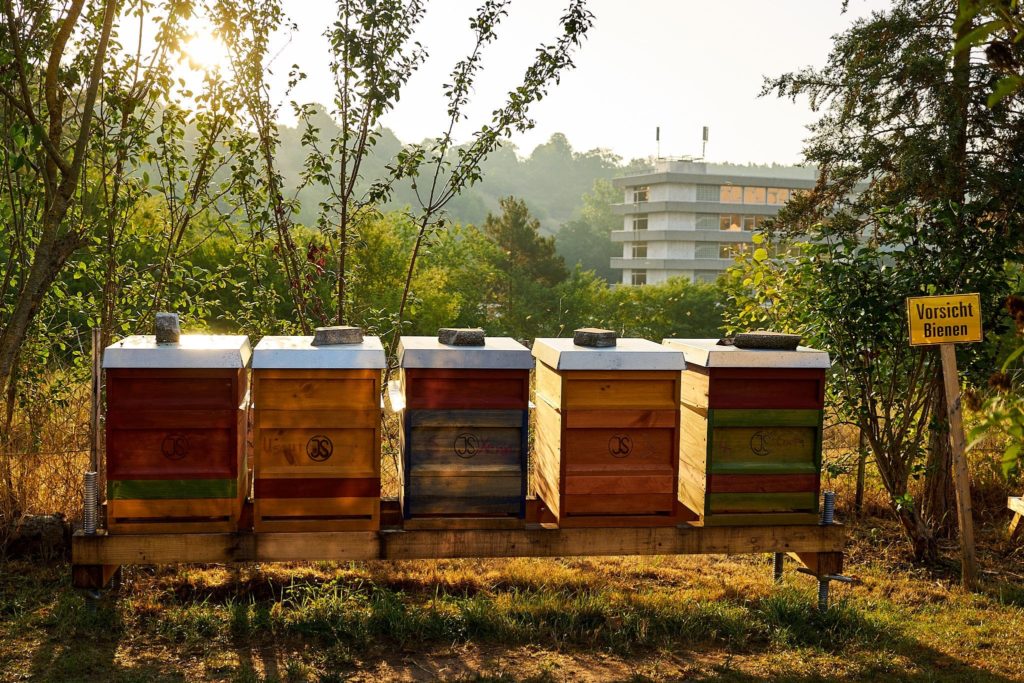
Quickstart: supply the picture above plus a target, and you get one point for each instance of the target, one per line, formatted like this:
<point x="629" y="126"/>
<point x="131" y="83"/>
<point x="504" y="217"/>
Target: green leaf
<point x="760" y="254"/>
<point x="1005" y="87"/>
<point x="978" y="35"/>
<point x="1011" y="458"/>
<point x="1013" y="356"/>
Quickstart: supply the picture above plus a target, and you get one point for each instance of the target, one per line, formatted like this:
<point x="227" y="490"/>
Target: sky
<point x="674" y="64"/>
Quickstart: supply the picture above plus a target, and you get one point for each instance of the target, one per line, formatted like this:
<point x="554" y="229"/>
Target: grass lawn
<point x="631" y="619"/>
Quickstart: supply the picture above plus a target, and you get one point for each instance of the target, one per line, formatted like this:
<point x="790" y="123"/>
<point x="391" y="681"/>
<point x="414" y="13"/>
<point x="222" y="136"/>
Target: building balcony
<point x="766" y="180"/>
<point x="619" y="263"/>
<point x="681" y="236"/>
<point x="675" y="206"/>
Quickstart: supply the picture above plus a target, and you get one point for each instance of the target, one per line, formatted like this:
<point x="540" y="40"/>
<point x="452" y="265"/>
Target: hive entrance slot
<point x="508" y="515"/>
<point x="314" y="518"/>
<point x="620" y="514"/>
<point x="169" y="520"/>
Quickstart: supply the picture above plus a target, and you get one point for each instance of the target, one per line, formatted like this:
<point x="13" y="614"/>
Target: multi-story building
<point x="690" y="218"/>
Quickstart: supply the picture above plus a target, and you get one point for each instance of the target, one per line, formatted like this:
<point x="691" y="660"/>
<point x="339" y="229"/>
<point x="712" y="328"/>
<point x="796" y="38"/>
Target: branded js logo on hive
<point x="319" y="448"/>
<point x="174" y="446"/>
<point x="467" y="445"/>
<point x="759" y="444"/>
<point x="620" y="445"/>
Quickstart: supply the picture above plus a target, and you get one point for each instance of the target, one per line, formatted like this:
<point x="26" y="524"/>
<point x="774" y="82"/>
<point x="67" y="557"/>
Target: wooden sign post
<point x="947" y="320"/>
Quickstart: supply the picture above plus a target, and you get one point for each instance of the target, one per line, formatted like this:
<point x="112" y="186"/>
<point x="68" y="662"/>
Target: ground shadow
<point x="68" y="641"/>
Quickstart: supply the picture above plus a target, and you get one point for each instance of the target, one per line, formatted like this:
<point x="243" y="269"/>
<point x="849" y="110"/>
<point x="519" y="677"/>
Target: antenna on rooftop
<point x="657" y="139"/>
<point x="704" y="146"/>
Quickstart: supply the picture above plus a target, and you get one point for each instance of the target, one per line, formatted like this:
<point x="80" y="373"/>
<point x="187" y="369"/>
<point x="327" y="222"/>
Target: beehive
<point x="464" y="428"/>
<point x="607" y="432"/>
<point x="317" y="435"/>
<point x="751" y="432"/>
<point x="176" y="423"/>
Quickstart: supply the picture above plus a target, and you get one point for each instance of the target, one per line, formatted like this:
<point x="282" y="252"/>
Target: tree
<point x="848" y="298"/>
<point x="373" y="55"/>
<point x="524" y="251"/>
<point x="911" y="160"/>
<point x="90" y="135"/>
<point x="49" y="132"/>
<point x="528" y="270"/>
<point x="429" y="162"/>
<point x="1000" y="27"/>
<point x="677" y="308"/>
<point x="586" y="240"/>
<point x="258" y="185"/>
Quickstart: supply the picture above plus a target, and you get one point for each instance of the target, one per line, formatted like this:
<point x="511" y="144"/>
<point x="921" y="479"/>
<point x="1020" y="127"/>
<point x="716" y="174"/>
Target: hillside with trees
<point x="552" y="178"/>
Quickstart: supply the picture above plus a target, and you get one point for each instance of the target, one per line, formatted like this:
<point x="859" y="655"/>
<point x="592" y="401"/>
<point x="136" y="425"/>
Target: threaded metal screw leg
<point x="822" y="595"/>
<point x="828" y="511"/>
<point x="91" y="500"/>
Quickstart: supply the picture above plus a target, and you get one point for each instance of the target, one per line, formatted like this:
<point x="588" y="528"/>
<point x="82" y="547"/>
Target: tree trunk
<point x="922" y="540"/>
<point x="55" y="248"/>
<point x="938" y="499"/>
<point x="8" y="501"/>
<point x="862" y="460"/>
<point x="894" y="479"/>
<point x="342" y="254"/>
<point x="49" y="258"/>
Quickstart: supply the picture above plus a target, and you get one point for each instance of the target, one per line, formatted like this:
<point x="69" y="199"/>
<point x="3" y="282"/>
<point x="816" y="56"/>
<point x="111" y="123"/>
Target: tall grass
<point x="361" y="614"/>
<point x="44" y="450"/>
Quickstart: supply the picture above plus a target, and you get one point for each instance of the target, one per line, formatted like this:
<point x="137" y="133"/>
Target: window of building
<point x="730" y="221"/>
<point x="731" y="194"/>
<point x="777" y="195"/>
<point x="705" y="250"/>
<point x="640" y="222"/>
<point x="753" y="195"/>
<point x="707" y="221"/>
<point x="640" y="250"/>
<point x="641" y="193"/>
<point x="705" y="275"/>
<point x="638" y="277"/>
<point x="752" y="223"/>
<point x="707" y="193"/>
<point x="731" y="249"/>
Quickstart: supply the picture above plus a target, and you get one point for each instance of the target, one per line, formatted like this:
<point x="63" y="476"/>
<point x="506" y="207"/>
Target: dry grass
<point x="631" y="619"/>
<point x="45" y="452"/>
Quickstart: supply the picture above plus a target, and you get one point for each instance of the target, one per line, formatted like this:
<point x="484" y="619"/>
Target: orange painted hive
<point x="607" y="432"/>
<point x="176" y="422"/>
<point x="751" y="422"/>
<point x="317" y="435"/>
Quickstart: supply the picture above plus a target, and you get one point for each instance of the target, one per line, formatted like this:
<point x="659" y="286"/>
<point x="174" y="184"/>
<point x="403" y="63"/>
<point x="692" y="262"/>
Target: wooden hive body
<point x="606" y="442"/>
<point x="316" y="436"/>
<point x="750" y="451"/>
<point x="464" y="431"/>
<point x="176" y="455"/>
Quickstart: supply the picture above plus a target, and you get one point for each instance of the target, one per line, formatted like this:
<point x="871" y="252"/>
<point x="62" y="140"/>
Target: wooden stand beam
<point x="1016" y="525"/>
<point x="531" y="541"/>
<point x="820" y="564"/>
<point x="93" y="576"/>
<point x="961" y="478"/>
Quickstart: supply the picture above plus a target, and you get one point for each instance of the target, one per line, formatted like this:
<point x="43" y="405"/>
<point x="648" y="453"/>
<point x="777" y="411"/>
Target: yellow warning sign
<point x="949" y="319"/>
